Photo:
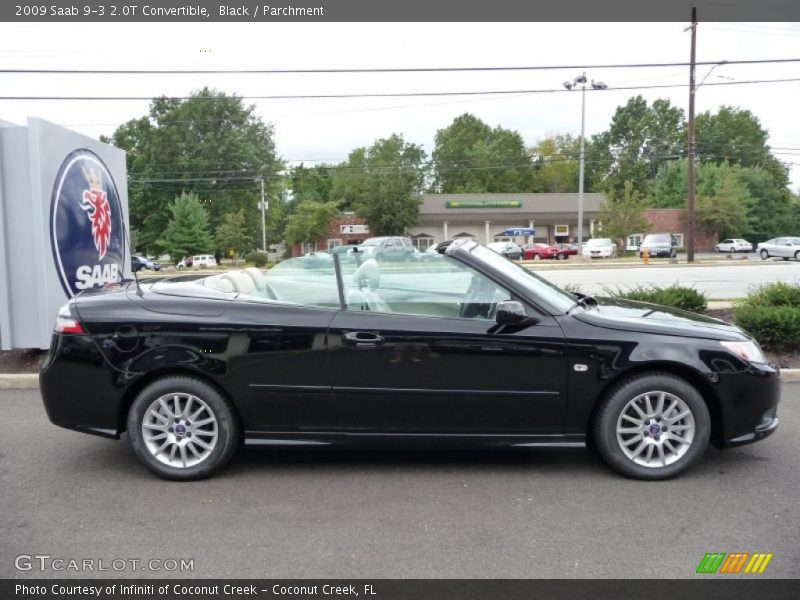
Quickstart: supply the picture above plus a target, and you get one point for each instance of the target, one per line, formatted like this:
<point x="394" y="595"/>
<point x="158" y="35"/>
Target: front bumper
<point x="749" y="403"/>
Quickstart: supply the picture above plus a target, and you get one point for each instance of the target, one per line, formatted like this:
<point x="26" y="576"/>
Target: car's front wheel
<point x="182" y="428"/>
<point x="652" y="426"/>
<point x="537" y="257"/>
<point x="764" y="255"/>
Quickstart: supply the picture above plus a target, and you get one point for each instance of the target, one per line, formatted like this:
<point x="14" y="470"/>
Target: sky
<point x="328" y="129"/>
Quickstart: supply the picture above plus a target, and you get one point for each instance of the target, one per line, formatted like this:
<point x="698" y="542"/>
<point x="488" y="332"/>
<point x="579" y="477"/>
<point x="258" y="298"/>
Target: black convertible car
<point x="465" y="349"/>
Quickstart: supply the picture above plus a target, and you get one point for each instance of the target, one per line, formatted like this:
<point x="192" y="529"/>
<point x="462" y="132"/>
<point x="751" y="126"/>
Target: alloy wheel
<point x="655" y="429"/>
<point x="180" y="430"/>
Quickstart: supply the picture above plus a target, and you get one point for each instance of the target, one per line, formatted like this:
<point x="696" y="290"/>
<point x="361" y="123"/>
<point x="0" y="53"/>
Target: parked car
<point x="468" y="350"/>
<point x="510" y="250"/>
<point x="388" y="248"/>
<point x="540" y="251"/>
<point x="568" y="249"/>
<point x="784" y="247"/>
<point x="139" y="262"/>
<point x="659" y="245"/>
<point x="734" y="245"/>
<point x="600" y="248"/>
<point x="198" y="260"/>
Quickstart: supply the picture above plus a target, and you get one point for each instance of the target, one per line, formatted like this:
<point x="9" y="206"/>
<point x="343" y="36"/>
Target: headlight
<point x="748" y="351"/>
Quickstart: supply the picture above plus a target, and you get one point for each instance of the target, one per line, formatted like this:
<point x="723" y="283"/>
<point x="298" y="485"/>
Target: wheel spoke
<point x="177" y="401"/>
<point x="660" y="449"/>
<point x="204" y="422"/>
<point x="183" y="455"/>
<point x="680" y="416"/>
<point x="639" y="449"/>
<point x="631" y="441"/>
<point x="649" y="454"/>
<point x="640" y="412"/>
<point x="637" y="422"/>
<point x="660" y="406"/>
<point x="648" y="404"/>
<point x="172" y="451"/>
<point x="162" y="447"/>
<point x="165" y="407"/>
<point x="190" y="445"/>
<point x="678" y="438"/>
<point x="627" y="430"/>
<point x="158" y="436"/>
<point x="201" y="443"/>
<point x="669" y="445"/>
<point x="188" y="405"/>
<point x="204" y="432"/>
<point x="155" y="426"/>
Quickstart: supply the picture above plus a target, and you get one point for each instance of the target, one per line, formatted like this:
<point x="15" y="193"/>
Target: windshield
<point x="537" y="286"/>
<point x="599" y="242"/>
<point x="371" y="242"/>
<point x="663" y="238"/>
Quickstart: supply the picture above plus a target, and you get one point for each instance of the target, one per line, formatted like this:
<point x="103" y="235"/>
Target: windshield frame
<point x="542" y="294"/>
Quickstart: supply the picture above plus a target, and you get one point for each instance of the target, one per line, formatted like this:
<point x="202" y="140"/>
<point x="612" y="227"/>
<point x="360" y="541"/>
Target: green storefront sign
<point x="483" y="204"/>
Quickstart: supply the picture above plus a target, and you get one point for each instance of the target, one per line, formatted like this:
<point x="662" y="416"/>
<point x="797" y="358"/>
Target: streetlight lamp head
<point x="599" y="85"/>
<point x="568" y="85"/>
<point x="581" y="78"/>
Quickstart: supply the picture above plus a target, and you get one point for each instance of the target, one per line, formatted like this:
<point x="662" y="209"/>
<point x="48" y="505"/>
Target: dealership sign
<point x="63" y="225"/>
<point x="87" y="231"/>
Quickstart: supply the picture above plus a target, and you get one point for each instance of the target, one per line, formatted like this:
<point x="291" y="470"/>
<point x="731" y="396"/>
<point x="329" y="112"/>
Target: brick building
<point x="672" y="220"/>
<point x="346" y="229"/>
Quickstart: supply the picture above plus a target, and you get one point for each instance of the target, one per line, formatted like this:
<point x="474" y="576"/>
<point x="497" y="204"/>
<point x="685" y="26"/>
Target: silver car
<point x="734" y="245"/>
<point x="783" y="247"/>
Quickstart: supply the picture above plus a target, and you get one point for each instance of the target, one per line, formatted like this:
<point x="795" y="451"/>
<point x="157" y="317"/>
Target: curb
<point x="19" y="381"/>
<point x="30" y="381"/>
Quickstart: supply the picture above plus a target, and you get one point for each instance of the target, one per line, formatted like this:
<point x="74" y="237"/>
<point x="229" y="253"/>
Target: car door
<point x="416" y="352"/>
<point x="277" y="359"/>
<point x="780" y="248"/>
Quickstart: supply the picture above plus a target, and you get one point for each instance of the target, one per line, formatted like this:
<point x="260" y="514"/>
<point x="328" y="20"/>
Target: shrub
<point x="259" y="259"/>
<point x="685" y="298"/>
<point x="775" y="327"/>
<point x="775" y="294"/>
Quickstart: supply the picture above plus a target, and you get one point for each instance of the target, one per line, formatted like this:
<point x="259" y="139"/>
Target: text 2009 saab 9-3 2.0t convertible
<point x="465" y="349"/>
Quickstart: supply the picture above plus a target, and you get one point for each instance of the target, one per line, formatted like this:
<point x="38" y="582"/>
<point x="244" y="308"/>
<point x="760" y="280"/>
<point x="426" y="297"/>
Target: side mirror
<point x="510" y="312"/>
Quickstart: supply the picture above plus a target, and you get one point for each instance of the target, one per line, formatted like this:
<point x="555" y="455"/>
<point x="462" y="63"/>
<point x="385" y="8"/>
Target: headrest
<point x="368" y="274"/>
<point x="257" y="276"/>
<point x="241" y="282"/>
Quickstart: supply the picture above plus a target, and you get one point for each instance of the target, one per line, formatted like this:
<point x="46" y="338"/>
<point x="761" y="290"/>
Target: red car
<point x="542" y="251"/>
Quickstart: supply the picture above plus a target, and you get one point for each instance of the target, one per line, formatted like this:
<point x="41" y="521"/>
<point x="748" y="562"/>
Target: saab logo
<point x="736" y="562"/>
<point x="86" y="227"/>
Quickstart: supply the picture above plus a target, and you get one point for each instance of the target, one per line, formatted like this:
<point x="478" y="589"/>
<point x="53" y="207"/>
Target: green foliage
<point x="725" y="212"/>
<point x="232" y="234"/>
<point x="676" y="296"/>
<point x="640" y="138"/>
<point x="775" y="327"/>
<point x="623" y="214"/>
<point x="771" y="314"/>
<point x="310" y="222"/>
<point x="556" y="165"/>
<point x="770" y="209"/>
<point x="208" y="145"/>
<point x="259" y="259"/>
<point x="472" y="157"/>
<point x="187" y="231"/>
<point x="382" y="183"/>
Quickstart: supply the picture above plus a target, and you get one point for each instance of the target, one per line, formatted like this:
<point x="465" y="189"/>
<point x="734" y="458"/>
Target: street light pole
<point x="581" y="165"/>
<point x="596" y="85"/>
<point x="263" y="219"/>
<point x="690" y="196"/>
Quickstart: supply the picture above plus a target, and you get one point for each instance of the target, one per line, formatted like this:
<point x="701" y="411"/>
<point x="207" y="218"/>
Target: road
<point x="393" y="514"/>
<point x="717" y="281"/>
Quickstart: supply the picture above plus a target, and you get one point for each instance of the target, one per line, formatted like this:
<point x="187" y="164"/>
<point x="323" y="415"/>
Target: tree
<point x="472" y="157"/>
<point x="187" y="231"/>
<point x="383" y="183"/>
<point x="640" y="138"/>
<point x="556" y="164"/>
<point x="232" y="236"/>
<point x="212" y="145"/>
<point x="310" y="222"/>
<point x="724" y="214"/>
<point x="622" y="215"/>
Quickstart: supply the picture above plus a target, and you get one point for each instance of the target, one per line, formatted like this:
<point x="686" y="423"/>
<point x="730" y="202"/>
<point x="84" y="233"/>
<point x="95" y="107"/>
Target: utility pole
<point x="690" y="198"/>
<point x="581" y="165"/>
<point x="263" y="218"/>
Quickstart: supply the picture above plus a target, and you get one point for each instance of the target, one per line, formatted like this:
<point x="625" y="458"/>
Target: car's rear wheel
<point x="537" y="257"/>
<point x="652" y="426"/>
<point x="561" y="257"/>
<point x="182" y="428"/>
<point x="764" y="255"/>
<point x="797" y="256"/>
<point x="733" y="250"/>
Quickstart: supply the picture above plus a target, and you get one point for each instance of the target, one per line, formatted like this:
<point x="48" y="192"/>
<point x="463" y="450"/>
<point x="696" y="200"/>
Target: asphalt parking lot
<point x="393" y="514"/>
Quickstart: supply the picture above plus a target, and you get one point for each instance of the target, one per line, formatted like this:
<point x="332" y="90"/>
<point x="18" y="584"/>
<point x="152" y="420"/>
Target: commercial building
<point x="486" y="217"/>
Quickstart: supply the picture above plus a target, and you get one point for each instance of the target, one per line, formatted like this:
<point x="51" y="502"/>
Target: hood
<point x="629" y="315"/>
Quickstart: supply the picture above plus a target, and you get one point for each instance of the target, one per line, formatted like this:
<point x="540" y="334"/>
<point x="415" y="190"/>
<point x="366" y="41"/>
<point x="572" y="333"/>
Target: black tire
<point x="764" y="254"/>
<point x="537" y="257"/>
<point x="228" y="433"/>
<point x="733" y="250"/>
<point x="605" y="424"/>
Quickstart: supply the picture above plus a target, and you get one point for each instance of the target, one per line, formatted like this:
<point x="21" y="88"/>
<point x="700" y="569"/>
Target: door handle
<point x="363" y="340"/>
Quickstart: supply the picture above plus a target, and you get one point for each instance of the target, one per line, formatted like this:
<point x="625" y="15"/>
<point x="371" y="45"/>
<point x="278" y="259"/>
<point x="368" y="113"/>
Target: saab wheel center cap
<point x="655" y="429"/>
<point x="180" y="430"/>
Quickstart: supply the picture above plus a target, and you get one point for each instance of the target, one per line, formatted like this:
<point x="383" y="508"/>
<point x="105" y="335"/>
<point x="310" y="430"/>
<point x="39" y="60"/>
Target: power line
<point x="398" y="94"/>
<point x="385" y="69"/>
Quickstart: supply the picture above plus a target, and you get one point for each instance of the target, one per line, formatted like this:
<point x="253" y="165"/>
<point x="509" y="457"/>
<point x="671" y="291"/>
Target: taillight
<point x="66" y="323"/>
